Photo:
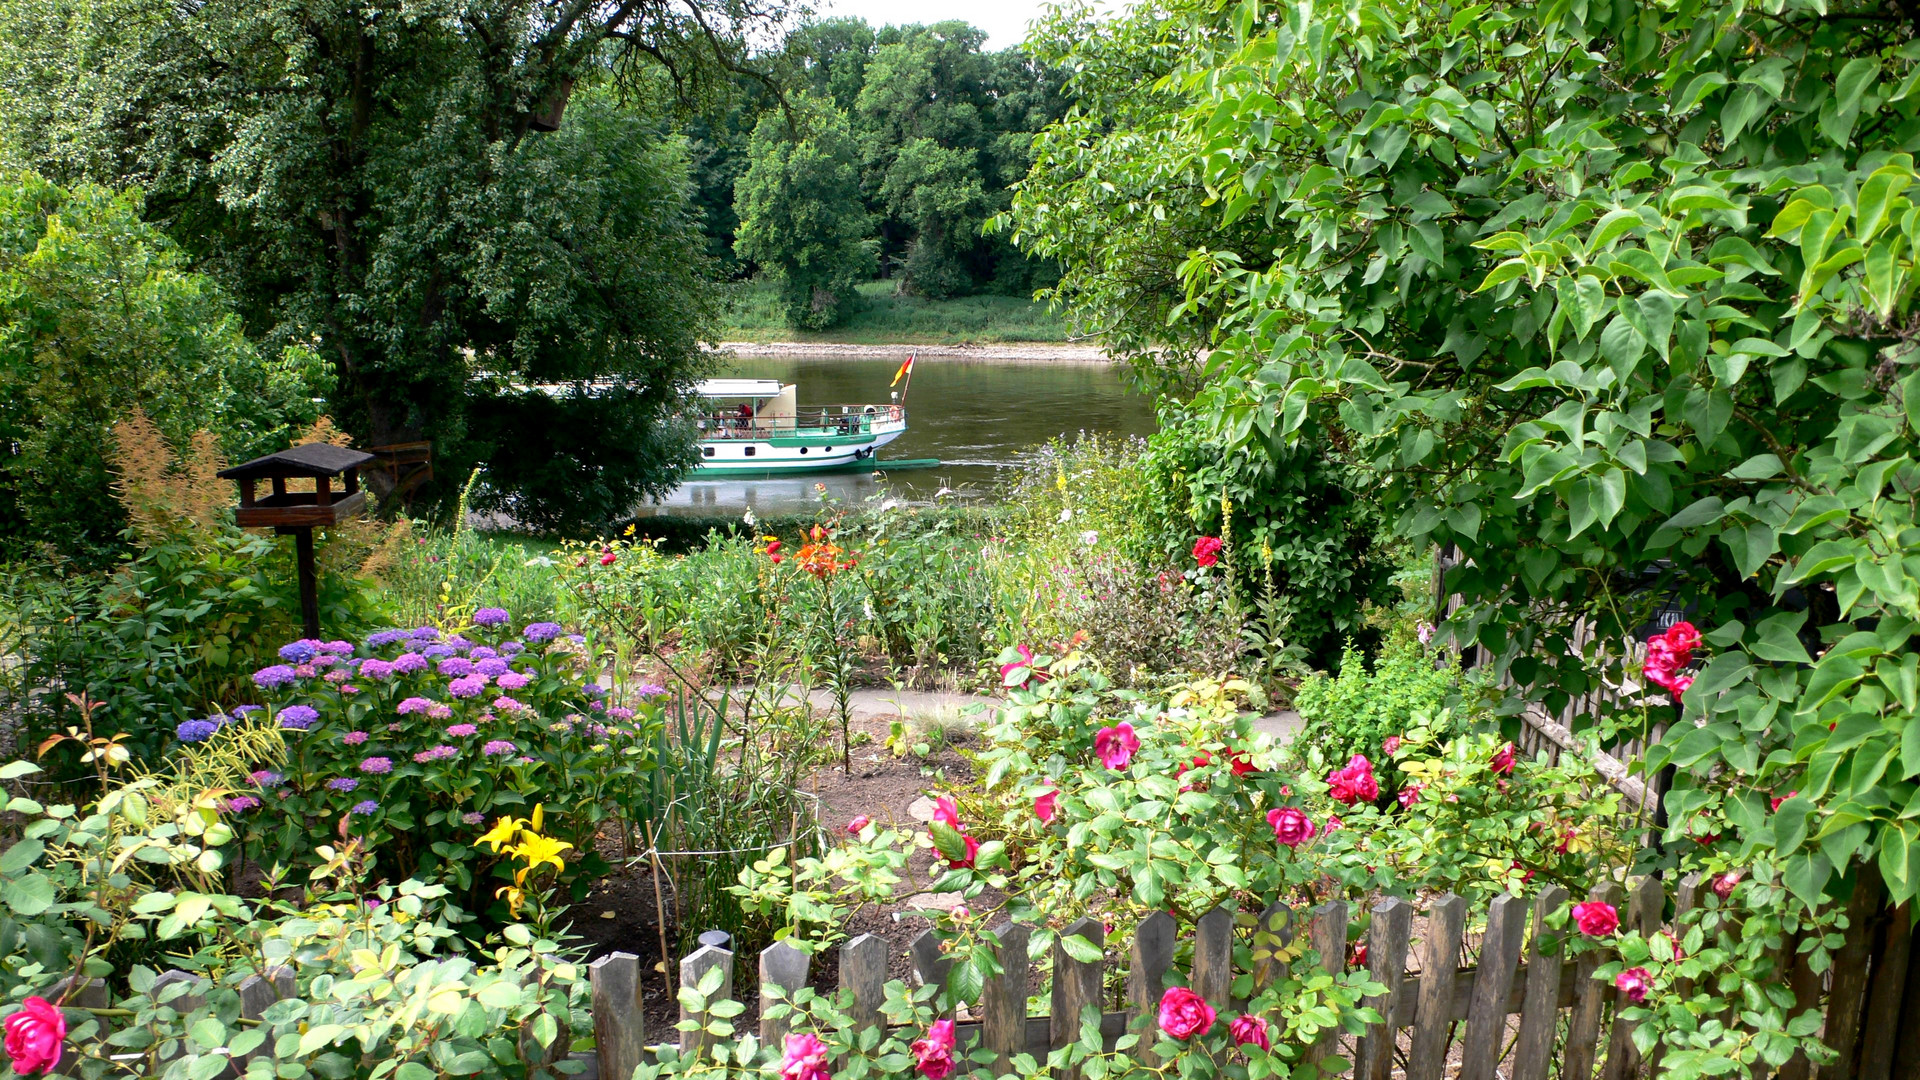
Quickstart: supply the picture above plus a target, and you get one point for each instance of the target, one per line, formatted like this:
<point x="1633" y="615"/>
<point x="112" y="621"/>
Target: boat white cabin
<point x="755" y="427"/>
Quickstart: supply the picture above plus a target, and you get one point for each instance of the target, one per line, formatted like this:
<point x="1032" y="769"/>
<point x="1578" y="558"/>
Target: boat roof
<point x="753" y="388"/>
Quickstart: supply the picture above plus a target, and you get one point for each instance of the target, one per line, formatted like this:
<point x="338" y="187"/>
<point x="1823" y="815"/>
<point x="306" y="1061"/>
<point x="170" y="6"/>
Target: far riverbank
<point x="1009" y="352"/>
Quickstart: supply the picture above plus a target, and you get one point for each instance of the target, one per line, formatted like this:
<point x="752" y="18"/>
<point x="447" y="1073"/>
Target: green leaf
<point x="14" y="770"/>
<point x="1777" y="638"/>
<point x="1613" y="225"/>
<point x="1080" y="948"/>
<point x="30" y="895"/>
<point x="22" y="854"/>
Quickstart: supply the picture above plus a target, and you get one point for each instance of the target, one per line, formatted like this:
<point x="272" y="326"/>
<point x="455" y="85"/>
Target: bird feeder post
<point x="298" y="513"/>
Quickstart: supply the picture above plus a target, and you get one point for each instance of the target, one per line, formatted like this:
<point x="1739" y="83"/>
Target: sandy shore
<point x="1017" y="352"/>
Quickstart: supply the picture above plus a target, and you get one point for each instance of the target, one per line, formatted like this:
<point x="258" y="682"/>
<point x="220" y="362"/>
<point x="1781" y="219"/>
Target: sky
<point x="1005" y="21"/>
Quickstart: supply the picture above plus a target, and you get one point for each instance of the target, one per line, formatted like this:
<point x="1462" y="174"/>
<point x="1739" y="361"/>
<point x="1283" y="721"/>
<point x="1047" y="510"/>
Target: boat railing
<point x="824" y="419"/>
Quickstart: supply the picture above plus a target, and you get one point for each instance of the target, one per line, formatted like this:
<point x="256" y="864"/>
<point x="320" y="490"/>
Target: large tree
<point x="375" y="178"/>
<point x="801" y="217"/>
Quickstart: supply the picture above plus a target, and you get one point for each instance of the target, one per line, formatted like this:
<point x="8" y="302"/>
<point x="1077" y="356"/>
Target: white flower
<point x="748" y="518"/>
<point x="1089" y="538"/>
<point x="539" y="560"/>
<point x="1066" y="515"/>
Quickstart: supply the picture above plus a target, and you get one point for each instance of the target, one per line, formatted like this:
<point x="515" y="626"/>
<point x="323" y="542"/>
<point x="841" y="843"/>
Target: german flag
<point x="903" y="372"/>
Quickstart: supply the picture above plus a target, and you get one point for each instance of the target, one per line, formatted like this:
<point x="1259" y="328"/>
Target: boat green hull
<point x="707" y="472"/>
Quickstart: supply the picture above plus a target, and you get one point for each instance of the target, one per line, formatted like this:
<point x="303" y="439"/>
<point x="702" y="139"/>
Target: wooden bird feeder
<point x="298" y="513"/>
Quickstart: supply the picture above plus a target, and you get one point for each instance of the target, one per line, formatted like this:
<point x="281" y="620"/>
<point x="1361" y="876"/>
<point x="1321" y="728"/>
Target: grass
<point x="885" y="319"/>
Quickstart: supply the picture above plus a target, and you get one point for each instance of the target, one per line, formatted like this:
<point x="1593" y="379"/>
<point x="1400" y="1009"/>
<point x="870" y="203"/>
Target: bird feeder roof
<point x="311" y="459"/>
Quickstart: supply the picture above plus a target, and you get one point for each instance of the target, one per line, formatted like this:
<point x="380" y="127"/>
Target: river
<point x="976" y="416"/>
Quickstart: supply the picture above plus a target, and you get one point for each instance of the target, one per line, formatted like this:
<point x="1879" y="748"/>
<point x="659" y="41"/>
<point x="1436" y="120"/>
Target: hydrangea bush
<point x="413" y="740"/>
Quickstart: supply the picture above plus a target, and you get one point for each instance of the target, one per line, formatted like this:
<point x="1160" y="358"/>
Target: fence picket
<point x="1329" y="936"/>
<point x="1387" y="942"/>
<point x="1589" y="998"/>
<point x="1433" y="1012"/>
<point x="863" y="970"/>
<point x="692" y="970"/>
<point x="1847" y="995"/>
<point x="619" y="1020"/>
<point x="1213" y="957"/>
<point x="1150" y="955"/>
<point x="783" y="971"/>
<point x="1906" y="1050"/>
<point x="1805" y="984"/>
<point x="1273" y="934"/>
<point x="1540" y="1006"/>
<point x="1492" y="986"/>
<point x="1003" y="1000"/>
<point x="1883" y="1001"/>
<point x="932" y="967"/>
<point x="1076" y="985"/>
<point x="1646" y="902"/>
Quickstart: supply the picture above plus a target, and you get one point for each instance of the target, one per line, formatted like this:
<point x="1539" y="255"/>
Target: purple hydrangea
<point x="507" y="704"/>
<point x="435" y="754"/>
<point x="354" y="738"/>
<point x="620" y="712"/>
<point x="377" y="669"/>
<point x="337" y="647"/>
<point x="511" y="648"/>
<point x="426" y="633"/>
<point x="512" y="680"/>
<point x="273" y="677"/>
<point x="436" y="651"/>
<point x="541" y="632"/>
<point x="498" y="746"/>
<point x="492" y="667"/>
<point x="461" y="731"/>
<point x="468" y="686"/>
<point x="483" y="653"/>
<point x="318" y="663"/>
<point x="409" y="662"/>
<point x="455" y="666"/>
<point x="365" y="807"/>
<point x="439" y="710"/>
<point x="342" y="783"/>
<point x="474" y="817"/>
<point x="195" y="730"/>
<point x="651" y="690"/>
<point x="339" y="675"/>
<point x="413" y="705"/>
<point x="376" y="766"/>
<point x="491" y="616"/>
<point x="300" y="652"/>
<point x="349" y="689"/>
<point x="239" y="804"/>
<point x="460" y="643"/>
<point x="380" y="639"/>
<point x="266" y="778"/>
<point x="240" y="711"/>
<point x="298" y="717"/>
<point x="593" y="690"/>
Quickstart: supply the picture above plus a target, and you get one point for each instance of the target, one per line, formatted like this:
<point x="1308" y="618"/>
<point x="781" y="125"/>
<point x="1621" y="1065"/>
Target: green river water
<point x="976" y="416"/>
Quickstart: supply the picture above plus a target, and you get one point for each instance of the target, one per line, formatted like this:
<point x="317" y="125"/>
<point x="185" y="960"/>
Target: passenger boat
<point x="754" y="428"/>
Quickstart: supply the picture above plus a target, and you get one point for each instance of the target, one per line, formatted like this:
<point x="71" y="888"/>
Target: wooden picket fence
<point x="1519" y="1011"/>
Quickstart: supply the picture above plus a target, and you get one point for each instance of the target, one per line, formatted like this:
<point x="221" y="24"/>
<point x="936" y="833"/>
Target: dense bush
<point x="1355" y="711"/>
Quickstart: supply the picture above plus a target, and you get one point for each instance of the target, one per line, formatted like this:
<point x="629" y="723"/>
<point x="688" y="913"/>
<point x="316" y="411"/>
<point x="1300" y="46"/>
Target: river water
<point x="976" y="416"/>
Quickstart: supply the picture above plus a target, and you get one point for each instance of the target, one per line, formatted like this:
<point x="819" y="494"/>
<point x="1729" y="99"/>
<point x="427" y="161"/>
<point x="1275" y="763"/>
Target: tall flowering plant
<point x="412" y="739"/>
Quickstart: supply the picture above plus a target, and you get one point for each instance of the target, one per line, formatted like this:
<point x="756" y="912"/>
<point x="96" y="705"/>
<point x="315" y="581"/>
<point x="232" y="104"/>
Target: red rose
<point x="1503" y="761"/>
<point x="1044" y="805"/>
<point x="1184" y="1014"/>
<point x="933" y="1055"/>
<point x="946" y="812"/>
<point x="1391" y="744"/>
<point x="1250" y="1030"/>
<point x="1633" y="984"/>
<point x="1290" y="826"/>
<point x="1723" y="885"/>
<point x="1595" y="918"/>
<point x="34" y="1036"/>
<point x="858" y="823"/>
<point x="973" y="849"/>
<point x="1355" y="783"/>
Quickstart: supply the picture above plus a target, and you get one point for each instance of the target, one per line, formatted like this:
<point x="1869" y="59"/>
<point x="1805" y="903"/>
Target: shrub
<point x="1357" y="710"/>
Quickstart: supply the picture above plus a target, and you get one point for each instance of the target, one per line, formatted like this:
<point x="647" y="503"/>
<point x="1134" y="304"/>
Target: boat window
<point x="803" y="450"/>
<point x="749" y="451"/>
<point x="706" y="451"/>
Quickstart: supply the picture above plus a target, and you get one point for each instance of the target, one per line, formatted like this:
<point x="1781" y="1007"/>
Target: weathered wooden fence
<point x="1518" y="1011"/>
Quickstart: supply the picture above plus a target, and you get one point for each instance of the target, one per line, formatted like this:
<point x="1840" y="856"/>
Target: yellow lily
<point x="502" y="833"/>
<point x="537" y="849"/>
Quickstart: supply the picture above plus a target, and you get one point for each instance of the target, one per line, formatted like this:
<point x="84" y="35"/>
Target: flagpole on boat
<point x="909" y="386"/>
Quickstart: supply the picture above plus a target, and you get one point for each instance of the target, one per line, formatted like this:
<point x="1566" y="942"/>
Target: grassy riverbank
<point x="754" y="315"/>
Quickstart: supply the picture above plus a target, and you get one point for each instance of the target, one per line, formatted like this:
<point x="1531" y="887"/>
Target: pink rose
<point x="1355" y="783"/>
<point x="1391" y="743"/>
<point x="1044" y="805"/>
<point x="933" y="1055"/>
<point x="1010" y="674"/>
<point x="1184" y="1014"/>
<point x="946" y="812"/>
<point x="1595" y="918"/>
<point x="34" y="1035"/>
<point x="1633" y="984"/>
<point x="1250" y="1030"/>
<point x="973" y="849"/>
<point x="1774" y="803"/>
<point x="1290" y="826"/>
<point x="857" y="824"/>
<point x="1115" y="745"/>
<point x="1723" y="885"/>
<point x="1502" y="762"/>
<point x="1410" y="794"/>
<point x="1206" y="550"/>
<point x="805" y="1059"/>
